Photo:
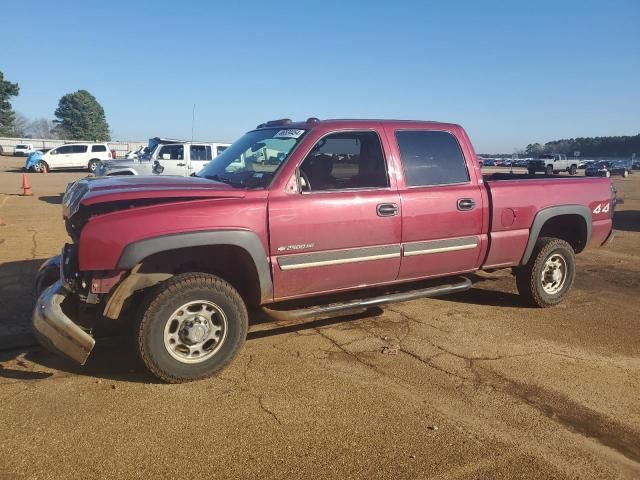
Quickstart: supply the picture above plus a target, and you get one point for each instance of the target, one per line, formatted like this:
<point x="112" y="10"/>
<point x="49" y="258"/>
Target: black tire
<point x="40" y="167"/>
<point x="573" y="170"/>
<point x="529" y="277"/>
<point x="172" y="295"/>
<point x="93" y="164"/>
<point x="532" y="171"/>
<point x="549" y="170"/>
<point x="45" y="279"/>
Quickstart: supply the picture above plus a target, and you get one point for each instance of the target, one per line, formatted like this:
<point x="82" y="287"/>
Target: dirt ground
<point x="481" y="386"/>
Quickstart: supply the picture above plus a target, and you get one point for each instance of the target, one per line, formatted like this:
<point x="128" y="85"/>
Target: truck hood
<point x="135" y="190"/>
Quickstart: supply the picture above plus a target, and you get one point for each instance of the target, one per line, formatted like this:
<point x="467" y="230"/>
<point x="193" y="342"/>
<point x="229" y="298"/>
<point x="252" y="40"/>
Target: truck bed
<point x="516" y="199"/>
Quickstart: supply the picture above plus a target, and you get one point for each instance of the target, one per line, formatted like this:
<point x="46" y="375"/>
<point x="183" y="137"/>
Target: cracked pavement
<point x="480" y="387"/>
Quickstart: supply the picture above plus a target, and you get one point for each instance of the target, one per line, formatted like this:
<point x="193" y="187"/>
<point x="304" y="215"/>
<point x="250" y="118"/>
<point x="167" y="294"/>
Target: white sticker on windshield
<point x="289" y="133"/>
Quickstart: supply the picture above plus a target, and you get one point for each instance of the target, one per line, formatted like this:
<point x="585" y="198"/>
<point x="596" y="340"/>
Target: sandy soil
<point x="481" y="387"/>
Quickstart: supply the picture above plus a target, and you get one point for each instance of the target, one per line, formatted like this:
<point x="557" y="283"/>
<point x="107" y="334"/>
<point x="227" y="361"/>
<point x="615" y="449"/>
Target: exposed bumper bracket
<point x="55" y="330"/>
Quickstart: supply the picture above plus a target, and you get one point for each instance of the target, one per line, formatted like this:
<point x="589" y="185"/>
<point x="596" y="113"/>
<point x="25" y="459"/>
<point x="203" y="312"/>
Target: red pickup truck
<point x="304" y="219"/>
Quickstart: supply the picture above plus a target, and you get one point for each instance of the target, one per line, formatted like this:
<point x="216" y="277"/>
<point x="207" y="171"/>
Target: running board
<point x="316" y="312"/>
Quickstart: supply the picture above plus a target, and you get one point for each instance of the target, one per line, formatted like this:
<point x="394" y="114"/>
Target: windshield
<point x="252" y="161"/>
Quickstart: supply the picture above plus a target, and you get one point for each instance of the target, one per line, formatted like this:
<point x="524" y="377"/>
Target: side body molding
<point x="135" y="252"/>
<point x="545" y="214"/>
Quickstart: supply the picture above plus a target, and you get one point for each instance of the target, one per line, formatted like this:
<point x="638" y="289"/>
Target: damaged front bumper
<point x="55" y="330"/>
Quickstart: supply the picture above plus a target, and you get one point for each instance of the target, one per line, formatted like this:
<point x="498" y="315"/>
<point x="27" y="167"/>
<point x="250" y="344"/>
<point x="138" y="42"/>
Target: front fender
<point x="136" y="252"/>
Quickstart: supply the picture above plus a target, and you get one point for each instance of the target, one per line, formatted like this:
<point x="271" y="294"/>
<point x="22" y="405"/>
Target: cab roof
<point x="313" y="122"/>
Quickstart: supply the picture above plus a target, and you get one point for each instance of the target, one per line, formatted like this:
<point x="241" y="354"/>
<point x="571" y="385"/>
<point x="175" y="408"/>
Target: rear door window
<point x="78" y="148"/>
<point x="200" y="152"/>
<point x="98" y="148"/>
<point x="431" y="158"/>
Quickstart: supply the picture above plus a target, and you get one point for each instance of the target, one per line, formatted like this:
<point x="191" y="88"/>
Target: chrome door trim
<point x="337" y="257"/>
<point x="439" y="246"/>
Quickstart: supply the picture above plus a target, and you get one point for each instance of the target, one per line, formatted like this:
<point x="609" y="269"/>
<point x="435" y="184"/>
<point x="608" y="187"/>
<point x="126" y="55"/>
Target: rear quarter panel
<point x="515" y="203"/>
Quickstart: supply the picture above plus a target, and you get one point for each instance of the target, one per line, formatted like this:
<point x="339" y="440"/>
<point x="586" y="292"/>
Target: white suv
<point x="75" y="155"/>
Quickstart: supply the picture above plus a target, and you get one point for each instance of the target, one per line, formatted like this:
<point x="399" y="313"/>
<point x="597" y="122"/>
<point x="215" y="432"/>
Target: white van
<point x="22" y="149"/>
<point x="75" y="155"/>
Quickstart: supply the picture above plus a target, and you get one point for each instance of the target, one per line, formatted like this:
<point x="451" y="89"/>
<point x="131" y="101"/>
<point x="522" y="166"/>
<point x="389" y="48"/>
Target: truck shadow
<point x="627" y="220"/>
<point x="52" y="199"/>
<point x="113" y="357"/>
<point x="492" y="298"/>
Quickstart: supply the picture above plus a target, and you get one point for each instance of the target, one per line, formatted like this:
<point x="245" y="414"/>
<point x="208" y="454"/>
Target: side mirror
<point x="157" y="168"/>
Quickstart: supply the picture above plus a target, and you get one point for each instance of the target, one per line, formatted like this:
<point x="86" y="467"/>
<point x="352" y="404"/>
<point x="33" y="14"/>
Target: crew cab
<point x="343" y="215"/>
<point x="179" y="158"/>
<point x="553" y="163"/>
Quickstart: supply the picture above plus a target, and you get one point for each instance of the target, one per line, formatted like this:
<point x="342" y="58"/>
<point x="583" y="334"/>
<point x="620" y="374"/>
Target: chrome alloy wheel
<point x="195" y="331"/>
<point x="554" y="274"/>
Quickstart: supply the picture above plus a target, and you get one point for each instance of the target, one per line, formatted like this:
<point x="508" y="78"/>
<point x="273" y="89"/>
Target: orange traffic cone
<point x="25" y="186"/>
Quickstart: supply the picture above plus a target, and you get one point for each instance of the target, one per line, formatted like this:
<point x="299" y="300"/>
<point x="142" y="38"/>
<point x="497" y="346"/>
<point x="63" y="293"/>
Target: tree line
<point x="622" y="146"/>
<point x="79" y="116"/>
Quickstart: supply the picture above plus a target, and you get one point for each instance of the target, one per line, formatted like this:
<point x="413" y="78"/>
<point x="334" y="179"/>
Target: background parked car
<point x="489" y="162"/>
<point x="608" y="168"/>
<point x="73" y="155"/>
<point x="23" y="149"/>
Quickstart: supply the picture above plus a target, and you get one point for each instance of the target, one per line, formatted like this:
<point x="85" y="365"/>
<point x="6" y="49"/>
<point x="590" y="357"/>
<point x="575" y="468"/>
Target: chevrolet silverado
<point x="346" y="214"/>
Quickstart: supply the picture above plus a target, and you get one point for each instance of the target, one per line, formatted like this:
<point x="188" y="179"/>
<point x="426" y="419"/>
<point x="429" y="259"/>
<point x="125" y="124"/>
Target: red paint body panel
<point x="328" y="222"/>
<point x="104" y="237"/>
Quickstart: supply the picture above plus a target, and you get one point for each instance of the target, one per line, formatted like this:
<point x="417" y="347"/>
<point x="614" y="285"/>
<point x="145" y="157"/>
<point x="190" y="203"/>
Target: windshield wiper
<point x="218" y="178"/>
<point x="221" y="179"/>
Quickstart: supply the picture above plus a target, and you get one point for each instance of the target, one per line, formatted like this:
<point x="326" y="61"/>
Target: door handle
<point x="387" y="209"/>
<point x="180" y="164"/>
<point x="466" y="204"/>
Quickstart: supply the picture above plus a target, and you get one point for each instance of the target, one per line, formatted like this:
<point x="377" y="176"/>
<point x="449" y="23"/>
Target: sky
<point x="510" y="72"/>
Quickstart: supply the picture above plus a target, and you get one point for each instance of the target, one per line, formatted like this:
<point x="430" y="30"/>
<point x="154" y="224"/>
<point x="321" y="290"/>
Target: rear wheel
<point x="191" y="327"/>
<point x="549" y="170"/>
<point x="548" y="275"/>
<point x="573" y="170"/>
<point x="93" y="164"/>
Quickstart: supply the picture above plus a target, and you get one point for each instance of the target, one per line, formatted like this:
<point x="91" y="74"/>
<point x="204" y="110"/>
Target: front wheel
<point x="548" y="275"/>
<point x="191" y="327"/>
<point x="573" y="170"/>
<point x="549" y="170"/>
<point x="41" y="167"/>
